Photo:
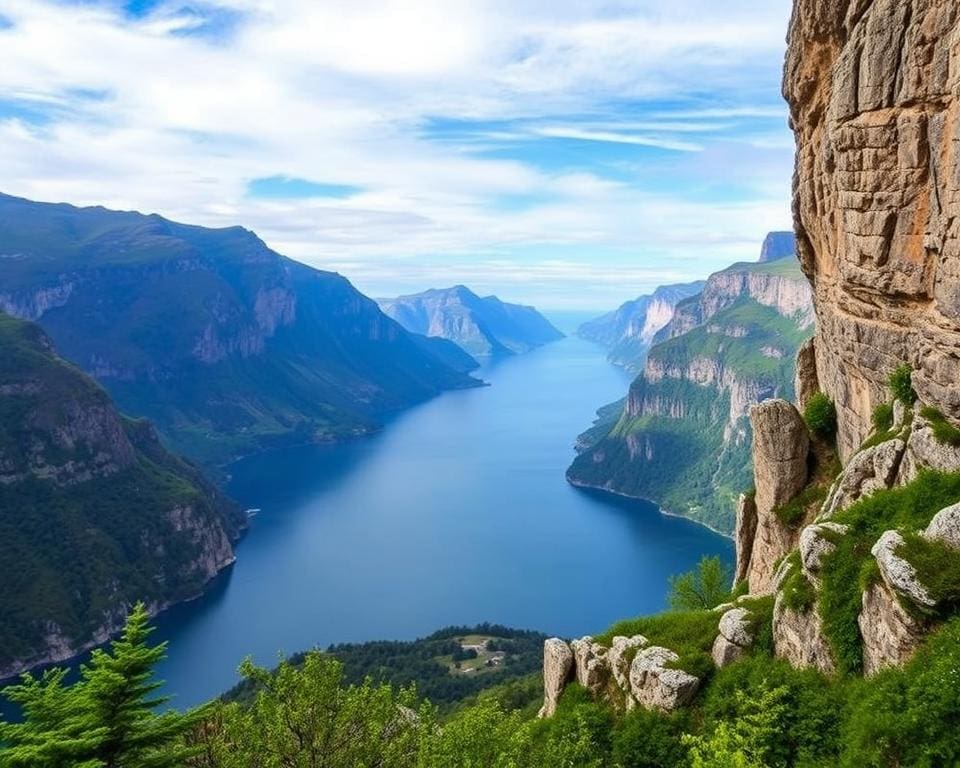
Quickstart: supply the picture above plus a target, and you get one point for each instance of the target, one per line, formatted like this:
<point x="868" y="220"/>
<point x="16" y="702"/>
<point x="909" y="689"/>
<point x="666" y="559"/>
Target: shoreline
<point x="660" y="509"/>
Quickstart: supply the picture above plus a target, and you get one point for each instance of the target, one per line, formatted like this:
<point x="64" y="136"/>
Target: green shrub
<point x="883" y="417"/>
<point x="901" y="385"/>
<point x="798" y="592"/>
<point x="648" y="739"/>
<point x="706" y="587"/>
<point x="794" y="512"/>
<point x="945" y="432"/>
<point x="909" y="716"/>
<point x="821" y="416"/>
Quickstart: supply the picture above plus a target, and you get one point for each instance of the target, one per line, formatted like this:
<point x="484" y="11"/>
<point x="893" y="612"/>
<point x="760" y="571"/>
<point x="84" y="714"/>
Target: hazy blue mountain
<point x="629" y="330"/>
<point x="778" y="245"/>
<point x="227" y="346"/>
<point x="94" y="513"/>
<point x="484" y="327"/>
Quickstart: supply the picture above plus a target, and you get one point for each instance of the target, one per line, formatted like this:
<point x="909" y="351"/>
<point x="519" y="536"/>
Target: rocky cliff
<point x="227" y="346"/>
<point x="682" y="437"/>
<point x="629" y="331"/>
<point x="872" y="88"/>
<point x="94" y="513"/>
<point x="481" y="326"/>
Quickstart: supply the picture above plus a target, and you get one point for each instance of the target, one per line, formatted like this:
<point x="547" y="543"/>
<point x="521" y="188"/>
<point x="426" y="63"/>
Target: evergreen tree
<point x="107" y="719"/>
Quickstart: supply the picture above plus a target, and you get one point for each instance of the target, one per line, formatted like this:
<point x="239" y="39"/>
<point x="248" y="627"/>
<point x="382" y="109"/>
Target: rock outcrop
<point x="558" y="669"/>
<point x="924" y="450"/>
<point x="781" y="447"/>
<point x="890" y="633"/>
<point x="870" y="470"/>
<point x="734" y="637"/>
<point x="873" y="92"/>
<point x="744" y="535"/>
<point x="806" y="383"/>
<point x="628" y="673"/>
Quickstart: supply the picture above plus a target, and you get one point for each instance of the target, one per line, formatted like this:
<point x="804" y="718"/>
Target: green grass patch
<point x="689" y="634"/>
<point x="844" y="570"/>
<point x="798" y="593"/>
<point x="945" y="432"/>
<point x="761" y="624"/>
<point x="883" y="417"/>
<point x="938" y="569"/>
<point x="820" y="414"/>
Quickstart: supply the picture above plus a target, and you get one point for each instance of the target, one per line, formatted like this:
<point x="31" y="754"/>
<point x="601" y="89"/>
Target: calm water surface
<point x="457" y="513"/>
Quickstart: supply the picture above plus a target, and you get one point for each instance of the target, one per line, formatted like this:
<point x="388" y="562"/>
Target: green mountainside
<point x="682" y="437"/>
<point x="94" y="513"/>
<point x="225" y="345"/>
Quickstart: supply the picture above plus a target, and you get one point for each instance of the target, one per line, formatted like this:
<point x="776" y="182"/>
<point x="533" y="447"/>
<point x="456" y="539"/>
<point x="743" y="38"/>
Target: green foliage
<point x="882" y="417"/>
<point x="901" y="385"/>
<point x="706" y="587"/>
<point x="689" y="633"/>
<point x="909" y="509"/>
<point x="909" y="716"/>
<point x="798" y="593"/>
<point x="808" y="726"/>
<point x="422" y="662"/>
<point x="945" y="432"/>
<point x="938" y="569"/>
<point x="106" y="720"/>
<point x="747" y="741"/>
<point x="820" y="414"/>
<point x="648" y="739"/>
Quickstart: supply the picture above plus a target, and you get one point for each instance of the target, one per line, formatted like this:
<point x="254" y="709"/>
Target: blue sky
<point x="569" y="153"/>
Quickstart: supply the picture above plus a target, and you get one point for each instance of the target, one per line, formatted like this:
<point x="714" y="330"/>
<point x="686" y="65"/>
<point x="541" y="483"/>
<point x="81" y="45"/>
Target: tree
<point x="820" y="415"/>
<point x="107" y="719"/>
<point x="901" y="385"/>
<point x="706" y="587"/>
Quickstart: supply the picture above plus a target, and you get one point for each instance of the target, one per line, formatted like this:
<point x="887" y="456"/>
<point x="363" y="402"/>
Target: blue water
<point x="456" y="513"/>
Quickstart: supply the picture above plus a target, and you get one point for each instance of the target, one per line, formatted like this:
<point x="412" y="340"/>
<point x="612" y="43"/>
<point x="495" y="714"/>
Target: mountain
<point x="484" y="327"/>
<point x="682" y="437"/>
<point x="225" y="345"/>
<point x="629" y="331"/>
<point x="778" y="245"/>
<point x="94" y="513"/>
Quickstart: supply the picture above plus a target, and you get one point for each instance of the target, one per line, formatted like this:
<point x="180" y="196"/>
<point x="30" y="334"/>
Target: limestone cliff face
<point x="873" y="90"/>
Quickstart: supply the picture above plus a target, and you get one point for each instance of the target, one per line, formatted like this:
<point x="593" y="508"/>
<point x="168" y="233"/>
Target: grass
<point x="689" y="634"/>
<point x="945" y="432"/>
<point x="844" y="570"/>
<point x="883" y="417"/>
<point x="761" y="623"/>
<point x="938" y="569"/>
<point x="824" y="469"/>
<point x="798" y="593"/>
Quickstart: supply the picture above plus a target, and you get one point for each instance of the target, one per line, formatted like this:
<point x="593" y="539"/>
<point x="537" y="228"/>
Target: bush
<point x="821" y="416"/>
<point x="943" y="430"/>
<point x="648" y="739"/>
<point x="901" y="385"/>
<point x="882" y="417"/>
<point x="706" y="587"/>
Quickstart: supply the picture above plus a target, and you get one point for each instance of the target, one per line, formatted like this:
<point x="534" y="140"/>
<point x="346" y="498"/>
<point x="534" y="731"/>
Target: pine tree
<point x="107" y="719"/>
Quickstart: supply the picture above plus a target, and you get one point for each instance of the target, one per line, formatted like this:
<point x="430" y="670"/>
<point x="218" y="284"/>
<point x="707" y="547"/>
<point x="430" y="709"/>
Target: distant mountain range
<point x="681" y="438"/>
<point x="629" y="331"/>
<point x="227" y="346"/>
<point x="483" y="327"/>
<point x="94" y="513"/>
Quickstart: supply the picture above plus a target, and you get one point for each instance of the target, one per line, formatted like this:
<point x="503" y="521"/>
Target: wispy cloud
<point x="420" y="137"/>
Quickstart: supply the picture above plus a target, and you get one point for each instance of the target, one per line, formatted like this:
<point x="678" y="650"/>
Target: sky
<point x="571" y="154"/>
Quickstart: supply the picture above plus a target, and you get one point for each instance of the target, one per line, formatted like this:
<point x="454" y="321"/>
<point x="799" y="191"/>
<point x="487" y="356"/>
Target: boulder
<point x="735" y="626"/>
<point x="798" y="637"/>
<point x="945" y="527"/>
<point x="744" y="534"/>
<point x="557" y="672"/>
<point x="781" y="446"/>
<point x="590" y="664"/>
<point x="890" y="634"/>
<point x="815" y="544"/>
<point x="870" y="470"/>
<point x="619" y="658"/>
<point x="725" y="652"/>
<point x="655" y="686"/>
<point x="925" y="451"/>
<point x="897" y="573"/>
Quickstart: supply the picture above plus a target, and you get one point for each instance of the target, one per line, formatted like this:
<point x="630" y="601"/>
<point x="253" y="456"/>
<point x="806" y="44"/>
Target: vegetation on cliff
<point x="94" y="513"/>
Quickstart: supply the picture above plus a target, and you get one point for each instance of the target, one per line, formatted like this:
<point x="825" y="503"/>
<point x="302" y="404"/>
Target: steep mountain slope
<point x="94" y="513"/>
<point x="227" y="346"/>
<point x="778" y="245"/>
<point x="629" y="330"/>
<point x="484" y="327"/>
<point x="682" y="438"/>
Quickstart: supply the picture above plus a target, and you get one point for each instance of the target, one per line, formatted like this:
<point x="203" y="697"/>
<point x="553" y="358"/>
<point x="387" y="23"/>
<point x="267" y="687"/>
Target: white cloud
<point x="155" y="114"/>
